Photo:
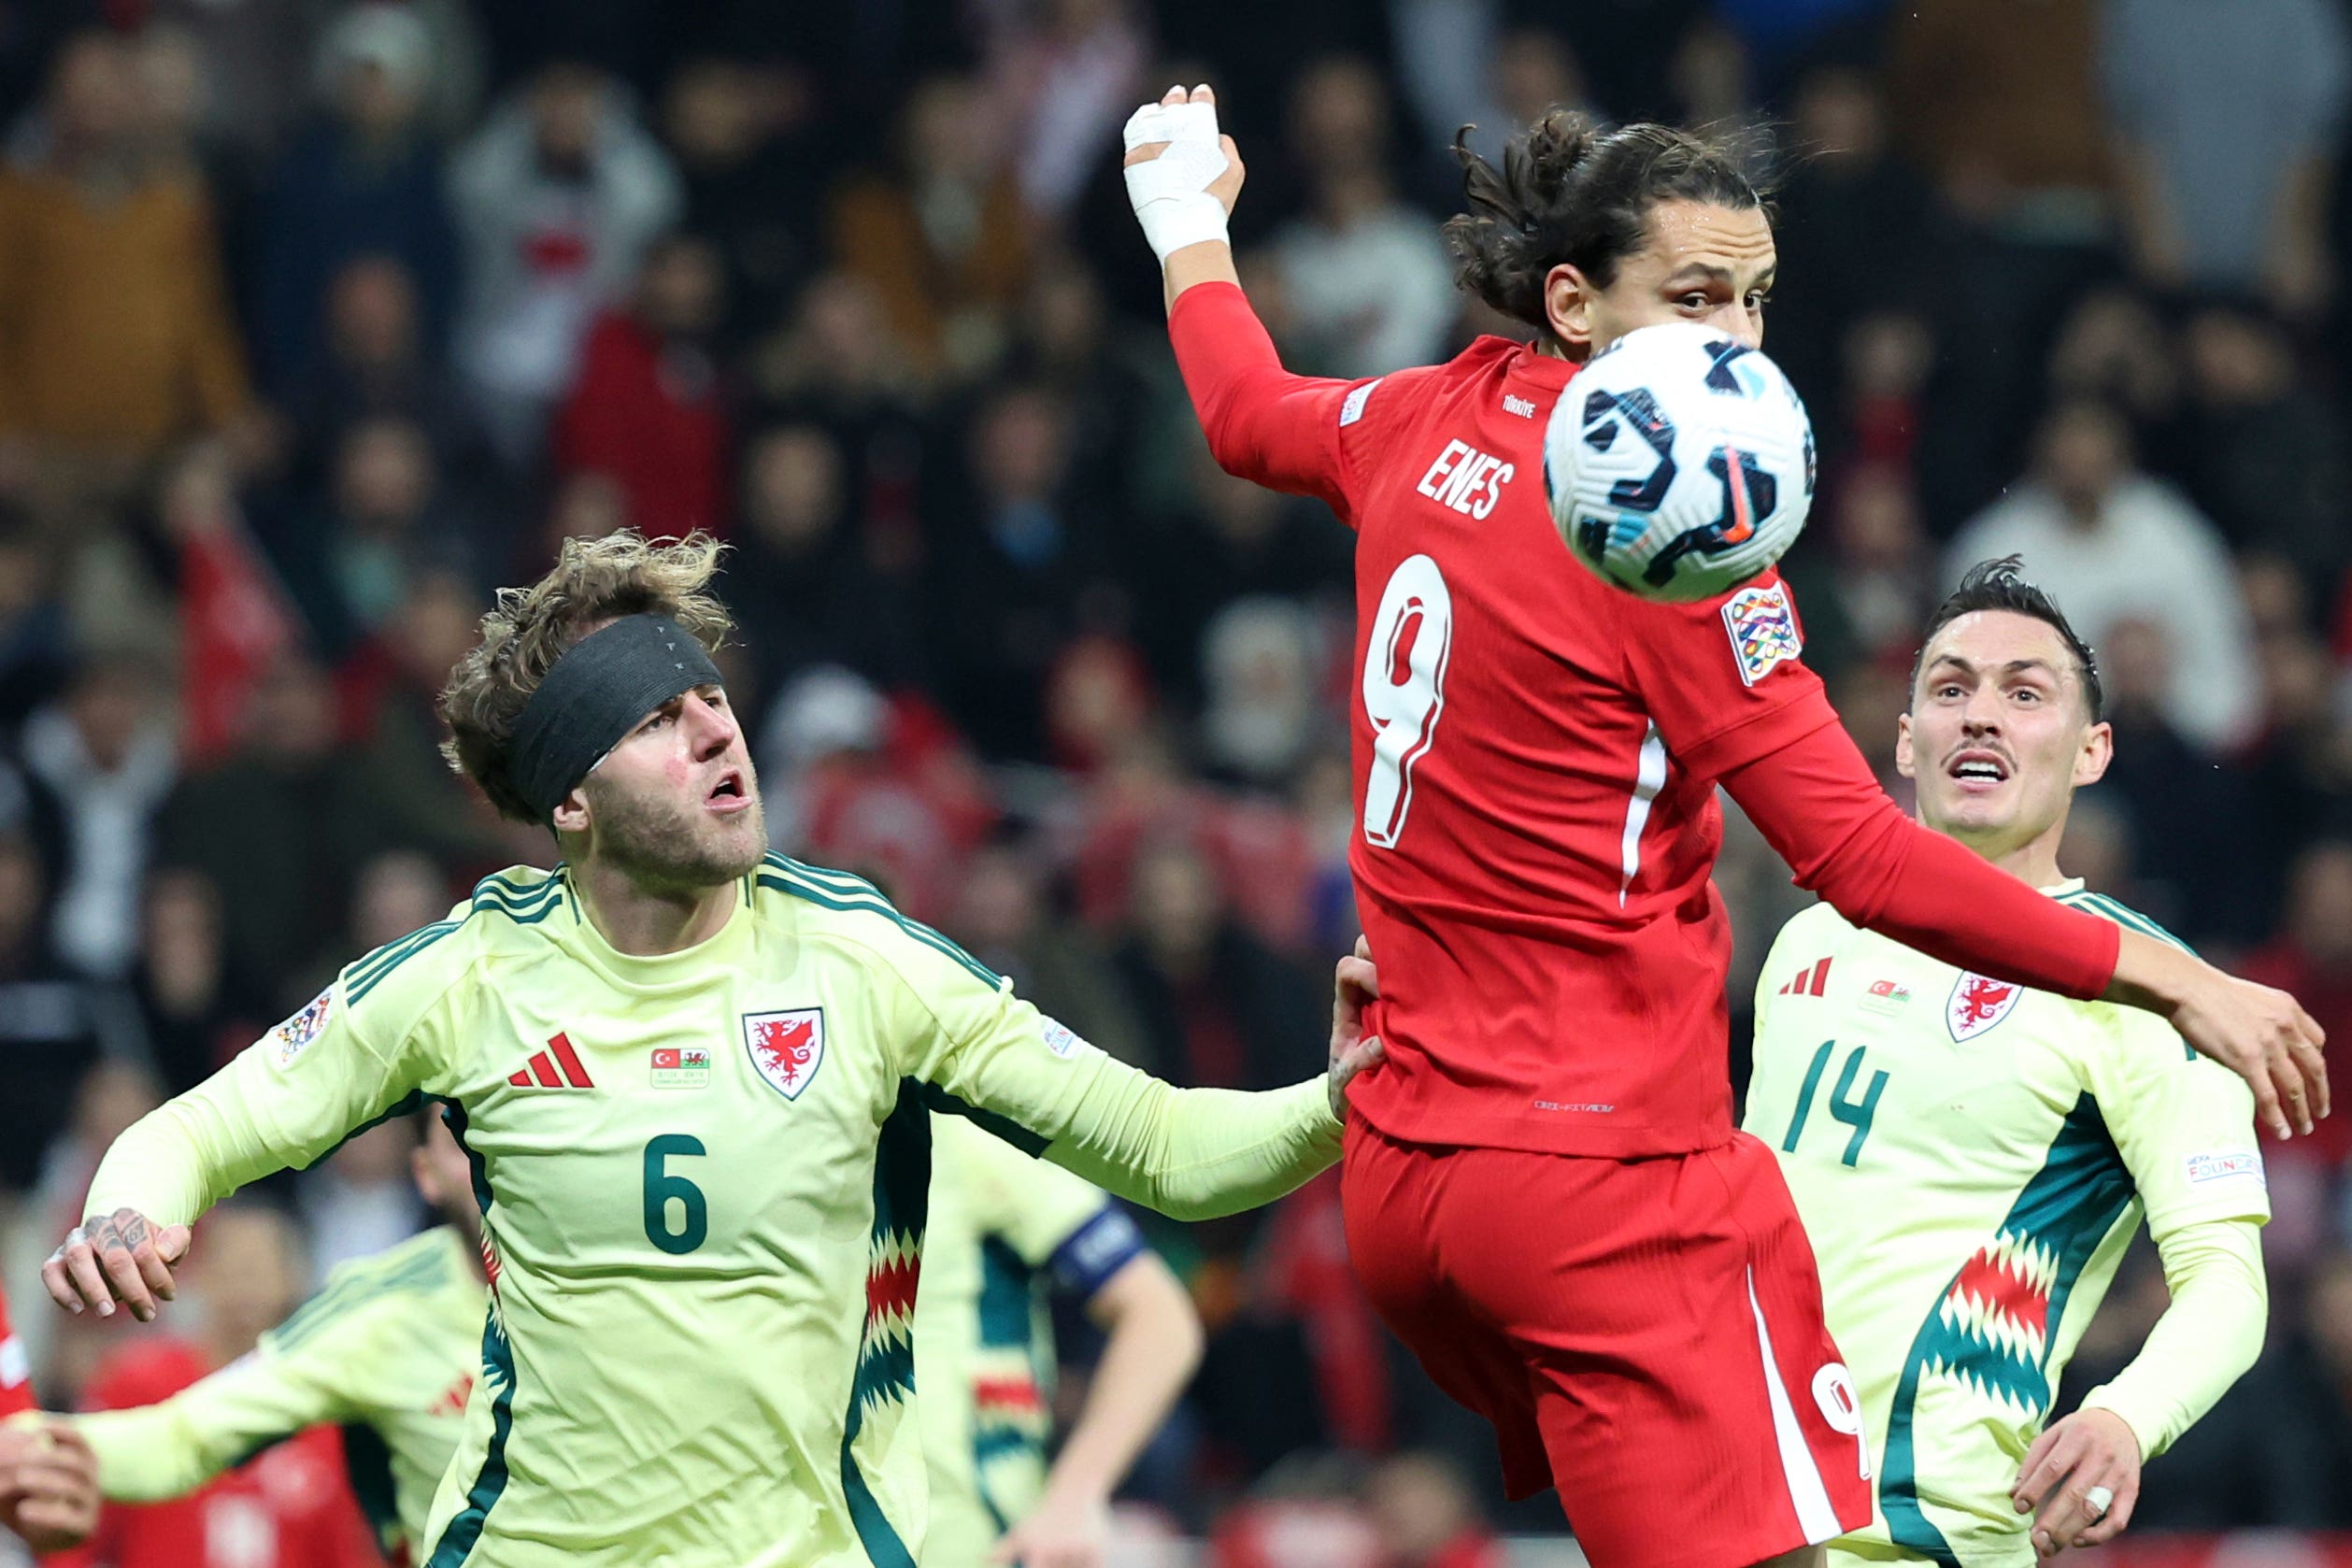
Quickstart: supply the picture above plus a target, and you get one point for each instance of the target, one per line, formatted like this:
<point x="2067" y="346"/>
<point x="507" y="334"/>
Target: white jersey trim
<point x="1806" y="1492"/>
<point x="1649" y="778"/>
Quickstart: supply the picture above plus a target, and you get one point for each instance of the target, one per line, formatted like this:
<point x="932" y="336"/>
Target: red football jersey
<point x="1535" y="763"/>
<point x="15" y="1369"/>
<point x="289" y="1507"/>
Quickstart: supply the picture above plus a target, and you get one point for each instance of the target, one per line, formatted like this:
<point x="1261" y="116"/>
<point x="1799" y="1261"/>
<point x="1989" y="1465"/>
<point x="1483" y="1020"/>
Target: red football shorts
<point x="1644" y="1335"/>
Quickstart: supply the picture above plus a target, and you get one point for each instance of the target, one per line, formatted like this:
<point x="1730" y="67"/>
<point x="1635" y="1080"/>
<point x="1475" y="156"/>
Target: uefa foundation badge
<point x="681" y="1067"/>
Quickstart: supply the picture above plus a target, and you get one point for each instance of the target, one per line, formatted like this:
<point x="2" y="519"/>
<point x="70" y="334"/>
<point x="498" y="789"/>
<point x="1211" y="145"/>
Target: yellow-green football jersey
<point x="1970" y="1159"/>
<point x="387" y="1350"/>
<point x="703" y="1178"/>
<point x="1001" y="1226"/>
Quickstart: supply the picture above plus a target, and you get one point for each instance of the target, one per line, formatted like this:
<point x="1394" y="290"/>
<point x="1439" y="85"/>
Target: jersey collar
<point x="698" y="965"/>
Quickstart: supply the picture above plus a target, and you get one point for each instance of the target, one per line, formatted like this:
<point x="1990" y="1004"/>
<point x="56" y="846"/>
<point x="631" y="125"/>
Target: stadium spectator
<point x="2261" y="449"/>
<point x="2226" y="124"/>
<point x="1366" y="276"/>
<point x="1262" y="661"/>
<point x="557" y="199"/>
<point x="649" y="407"/>
<point x="116" y="327"/>
<point x="35" y="641"/>
<point x="197" y="1010"/>
<point x="1428" y="1517"/>
<point x="1856" y="223"/>
<point x="1869" y="582"/>
<point x="748" y="144"/>
<point x="1002" y="918"/>
<point x="802" y="580"/>
<point x="383" y="519"/>
<point x="1069" y="70"/>
<point x="98" y="765"/>
<point x="2310" y="953"/>
<point x="1019" y="563"/>
<point x="54" y="1024"/>
<point x="364" y="180"/>
<point x="2111" y="544"/>
<point x="942" y="235"/>
<point x="283" y="818"/>
<point x="1218" y="1008"/>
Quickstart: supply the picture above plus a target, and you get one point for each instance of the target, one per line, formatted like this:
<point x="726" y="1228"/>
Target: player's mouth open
<point x="728" y="794"/>
<point x="1979" y="768"/>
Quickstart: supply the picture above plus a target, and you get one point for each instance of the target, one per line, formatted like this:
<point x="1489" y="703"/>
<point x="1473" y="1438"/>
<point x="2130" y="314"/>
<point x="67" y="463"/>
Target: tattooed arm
<point x="120" y="1257"/>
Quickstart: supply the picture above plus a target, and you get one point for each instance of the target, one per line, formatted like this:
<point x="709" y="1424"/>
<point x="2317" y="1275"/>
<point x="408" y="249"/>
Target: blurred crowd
<point x="320" y="320"/>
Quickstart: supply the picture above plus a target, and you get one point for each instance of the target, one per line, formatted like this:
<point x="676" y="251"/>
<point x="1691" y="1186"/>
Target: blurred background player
<point x="49" y="1493"/>
<point x="1004" y="1229"/>
<point x="651" y="1213"/>
<point x="1536" y="760"/>
<point x="1972" y="1158"/>
<point x="387" y="1351"/>
<point x="282" y="1506"/>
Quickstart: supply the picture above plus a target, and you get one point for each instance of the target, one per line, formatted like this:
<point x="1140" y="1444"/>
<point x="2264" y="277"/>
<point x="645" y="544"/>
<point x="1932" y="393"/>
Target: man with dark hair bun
<point x="1546" y="1196"/>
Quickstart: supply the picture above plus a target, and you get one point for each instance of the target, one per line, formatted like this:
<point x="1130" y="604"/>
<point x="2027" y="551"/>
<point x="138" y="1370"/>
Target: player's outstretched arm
<point x="1263" y="423"/>
<point x="1190" y="1153"/>
<point x="151" y="1452"/>
<point x="1819" y="807"/>
<point x="285" y="1100"/>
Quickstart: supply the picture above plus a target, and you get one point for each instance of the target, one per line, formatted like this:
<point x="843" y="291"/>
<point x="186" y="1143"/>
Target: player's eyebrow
<point x="1707" y="272"/>
<point x="2015" y="666"/>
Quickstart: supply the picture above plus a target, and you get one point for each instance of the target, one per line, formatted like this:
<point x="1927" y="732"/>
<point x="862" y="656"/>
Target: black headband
<point x="595" y="692"/>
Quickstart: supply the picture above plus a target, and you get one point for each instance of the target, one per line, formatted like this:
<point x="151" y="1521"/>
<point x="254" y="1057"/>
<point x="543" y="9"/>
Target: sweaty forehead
<point x="1685" y="234"/>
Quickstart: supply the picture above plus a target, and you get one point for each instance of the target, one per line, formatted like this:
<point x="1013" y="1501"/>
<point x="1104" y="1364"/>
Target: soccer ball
<point x="1678" y="463"/>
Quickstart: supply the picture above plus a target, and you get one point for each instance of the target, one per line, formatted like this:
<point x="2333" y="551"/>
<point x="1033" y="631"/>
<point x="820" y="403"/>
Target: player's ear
<point x="1903" y="747"/>
<point x="573" y="815"/>
<point x="1568" y="296"/>
<point x="420" y="1172"/>
<point x="2098" y="750"/>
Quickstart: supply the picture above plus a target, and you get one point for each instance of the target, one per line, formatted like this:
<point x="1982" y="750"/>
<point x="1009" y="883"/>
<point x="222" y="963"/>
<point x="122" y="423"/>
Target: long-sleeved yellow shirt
<point x="703" y="1178"/>
<point x="115" y="332"/>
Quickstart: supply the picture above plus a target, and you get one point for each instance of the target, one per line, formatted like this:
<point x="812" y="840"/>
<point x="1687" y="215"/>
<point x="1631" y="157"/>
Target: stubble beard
<point x="658" y="845"/>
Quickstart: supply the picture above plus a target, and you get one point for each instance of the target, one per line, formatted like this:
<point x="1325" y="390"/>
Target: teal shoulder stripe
<point x="369" y="972"/>
<point x="2123" y="915"/>
<point x="829" y="897"/>
<point x="497" y="882"/>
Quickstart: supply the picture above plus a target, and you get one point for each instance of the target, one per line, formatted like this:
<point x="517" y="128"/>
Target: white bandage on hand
<point x="1170" y="193"/>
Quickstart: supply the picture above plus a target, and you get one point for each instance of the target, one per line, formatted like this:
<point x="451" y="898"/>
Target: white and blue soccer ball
<point x="1679" y="463"/>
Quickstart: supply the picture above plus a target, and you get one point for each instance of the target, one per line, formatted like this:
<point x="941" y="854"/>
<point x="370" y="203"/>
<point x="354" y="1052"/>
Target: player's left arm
<point x="1190" y="1153"/>
<point x="2186" y="1131"/>
<point x="151" y="1452"/>
<point x="1153" y="1347"/>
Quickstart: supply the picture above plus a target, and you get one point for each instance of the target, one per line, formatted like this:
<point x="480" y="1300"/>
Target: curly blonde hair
<point x="595" y="581"/>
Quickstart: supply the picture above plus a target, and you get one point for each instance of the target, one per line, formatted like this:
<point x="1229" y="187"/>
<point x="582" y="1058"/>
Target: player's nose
<point x="713" y="726"/>
<point x="1737" y="322"/>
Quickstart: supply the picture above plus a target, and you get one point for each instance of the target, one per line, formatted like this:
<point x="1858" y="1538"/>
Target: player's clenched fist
<point x="1182" y="175"/>
<point x="48" y="1484"/>
<point x="121" y="1257"/>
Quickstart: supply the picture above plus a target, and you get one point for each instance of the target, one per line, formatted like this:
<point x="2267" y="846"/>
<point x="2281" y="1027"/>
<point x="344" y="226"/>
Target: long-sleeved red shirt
<point x="1536" y="756"/>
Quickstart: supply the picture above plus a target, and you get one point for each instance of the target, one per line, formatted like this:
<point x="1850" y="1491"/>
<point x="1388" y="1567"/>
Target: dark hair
<point x="1997" y="585"/>
<point x="1570" y="191"/>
